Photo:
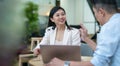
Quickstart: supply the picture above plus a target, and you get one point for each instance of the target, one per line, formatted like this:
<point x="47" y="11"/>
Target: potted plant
<point x="32" y="21"/>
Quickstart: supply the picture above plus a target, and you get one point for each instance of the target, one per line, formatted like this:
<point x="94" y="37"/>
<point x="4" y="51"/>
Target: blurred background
<point x="22" y="19"/>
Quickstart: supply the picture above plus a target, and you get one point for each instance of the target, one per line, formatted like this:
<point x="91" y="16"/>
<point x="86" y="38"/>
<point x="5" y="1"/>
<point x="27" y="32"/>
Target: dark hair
<point x="109" y="5"/>
<point x="52" y="12"/>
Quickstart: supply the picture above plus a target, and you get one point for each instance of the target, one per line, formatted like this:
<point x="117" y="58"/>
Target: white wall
<point x="78" y="12"/>
<point x="69" y="7"/>
<point x="87" y="13"/>
<point x="88" y="18"/>
<point x="44" y="6"/>
<point x="74" y="10"/>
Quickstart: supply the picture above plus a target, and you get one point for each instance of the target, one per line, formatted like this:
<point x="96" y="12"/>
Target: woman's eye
<point x="57" y="15"/>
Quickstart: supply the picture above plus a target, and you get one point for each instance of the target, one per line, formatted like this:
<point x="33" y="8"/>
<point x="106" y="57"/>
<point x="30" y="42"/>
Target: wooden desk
<point x="38" y="61"/>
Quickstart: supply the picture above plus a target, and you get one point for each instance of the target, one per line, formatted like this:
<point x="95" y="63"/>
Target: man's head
<point x="104" y="9"/>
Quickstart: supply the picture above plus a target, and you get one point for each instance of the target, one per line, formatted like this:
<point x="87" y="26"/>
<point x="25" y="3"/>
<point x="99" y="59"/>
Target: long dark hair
<point x="52" y="12"/>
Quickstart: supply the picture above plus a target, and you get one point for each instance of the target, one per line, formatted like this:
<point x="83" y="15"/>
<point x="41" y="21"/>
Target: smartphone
<point x="76" y="26"/>
<point x="80" y="27"/>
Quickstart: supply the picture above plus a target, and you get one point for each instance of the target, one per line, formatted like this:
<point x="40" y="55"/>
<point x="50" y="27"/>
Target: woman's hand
<point x="55" y="62"/>
<point x="36" y="51"/>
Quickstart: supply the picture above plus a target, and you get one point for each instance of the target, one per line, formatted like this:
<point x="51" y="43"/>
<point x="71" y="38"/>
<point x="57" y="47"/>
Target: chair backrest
<point x="34" y="41"/>
<point x="86" y="50"/>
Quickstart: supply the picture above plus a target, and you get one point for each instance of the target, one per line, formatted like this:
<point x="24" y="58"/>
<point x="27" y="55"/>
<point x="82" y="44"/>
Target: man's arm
<point x="85" y="38"/>
<point x="91" y="43"/>
<point x="82" y="63"/>
<point x="58" y="62"/>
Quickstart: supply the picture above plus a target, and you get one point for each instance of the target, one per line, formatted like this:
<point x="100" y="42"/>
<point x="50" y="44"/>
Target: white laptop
<point x="63" y="52"/>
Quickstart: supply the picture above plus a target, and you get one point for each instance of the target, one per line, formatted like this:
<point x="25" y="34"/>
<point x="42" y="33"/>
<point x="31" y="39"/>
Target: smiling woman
<point x="58" y="31"/>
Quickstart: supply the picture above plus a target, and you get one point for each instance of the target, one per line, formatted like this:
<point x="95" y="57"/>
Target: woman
<point x="58" y="31"/>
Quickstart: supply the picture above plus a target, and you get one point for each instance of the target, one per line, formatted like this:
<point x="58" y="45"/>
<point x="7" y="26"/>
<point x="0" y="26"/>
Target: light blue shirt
<point x="108" y="43"/>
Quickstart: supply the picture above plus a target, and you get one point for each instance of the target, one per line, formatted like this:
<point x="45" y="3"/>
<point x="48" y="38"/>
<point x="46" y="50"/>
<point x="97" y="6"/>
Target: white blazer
<point x="71" y="37"/>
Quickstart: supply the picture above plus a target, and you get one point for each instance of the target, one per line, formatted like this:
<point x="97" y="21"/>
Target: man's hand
<point x="83" y="32"/>
<point x="55" y="62"/>
<point x="85" y="38"/>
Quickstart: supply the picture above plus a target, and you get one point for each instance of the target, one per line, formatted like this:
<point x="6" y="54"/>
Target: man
<point x="107" y="50"/>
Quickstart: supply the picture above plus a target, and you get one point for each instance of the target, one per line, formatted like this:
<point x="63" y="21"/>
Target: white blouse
<point x="58" y="42"/>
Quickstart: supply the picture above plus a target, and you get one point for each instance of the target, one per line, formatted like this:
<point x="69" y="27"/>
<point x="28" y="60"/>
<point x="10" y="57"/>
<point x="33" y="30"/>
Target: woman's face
<point x="59" y="17"/>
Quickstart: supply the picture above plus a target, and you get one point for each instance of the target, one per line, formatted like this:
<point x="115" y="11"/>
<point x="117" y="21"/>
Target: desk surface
<point x="38" y="60"/>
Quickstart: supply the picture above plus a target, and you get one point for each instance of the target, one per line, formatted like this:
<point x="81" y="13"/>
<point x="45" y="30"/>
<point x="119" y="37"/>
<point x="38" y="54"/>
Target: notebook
<point x="63" y="52"/>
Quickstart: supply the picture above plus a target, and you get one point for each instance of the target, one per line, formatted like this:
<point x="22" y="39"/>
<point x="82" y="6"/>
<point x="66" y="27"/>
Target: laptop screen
<point x="63" y="52"/>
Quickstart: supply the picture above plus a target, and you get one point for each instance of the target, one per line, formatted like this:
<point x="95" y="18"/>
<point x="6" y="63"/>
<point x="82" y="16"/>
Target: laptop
<point x="63" y="52"/>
